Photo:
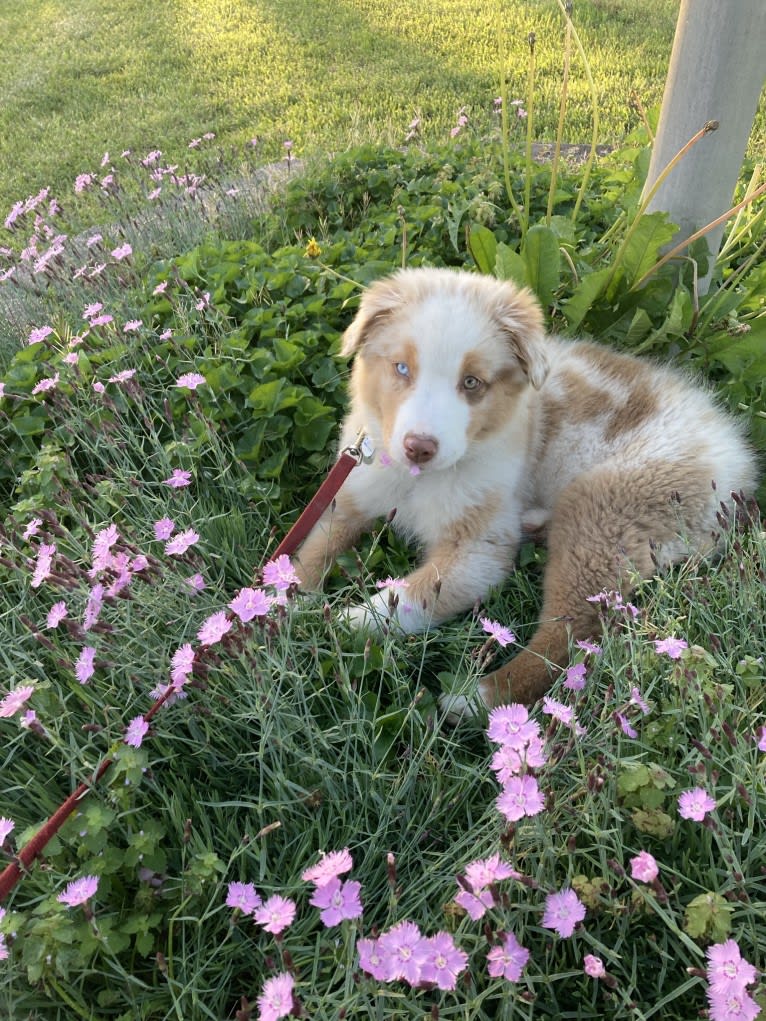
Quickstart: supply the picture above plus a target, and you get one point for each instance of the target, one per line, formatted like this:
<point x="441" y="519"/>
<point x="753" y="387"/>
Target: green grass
<point x="89" y="78"/>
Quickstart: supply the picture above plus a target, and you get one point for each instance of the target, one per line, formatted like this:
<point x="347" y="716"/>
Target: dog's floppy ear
<point x="378" y="303"/>
<point x="522" y="320"/>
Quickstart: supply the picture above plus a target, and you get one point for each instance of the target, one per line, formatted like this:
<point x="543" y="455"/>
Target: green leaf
<point x="483" y="247"/>
<point x="708" y="916"/>
<point x="584" y="297"/>
<point x="642" y="250"/>
<point x="509" y="265"/>
<point x="543" y="261"/>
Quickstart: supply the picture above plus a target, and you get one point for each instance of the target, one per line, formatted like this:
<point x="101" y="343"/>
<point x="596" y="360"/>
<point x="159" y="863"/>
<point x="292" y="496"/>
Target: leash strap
<point x="348" y="460"/>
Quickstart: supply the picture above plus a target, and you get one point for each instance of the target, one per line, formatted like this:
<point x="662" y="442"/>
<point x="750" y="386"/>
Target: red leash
<point x="348" y="460"/>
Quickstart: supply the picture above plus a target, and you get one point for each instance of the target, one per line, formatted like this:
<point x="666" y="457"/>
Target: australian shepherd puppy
<point x="483" y="427"/>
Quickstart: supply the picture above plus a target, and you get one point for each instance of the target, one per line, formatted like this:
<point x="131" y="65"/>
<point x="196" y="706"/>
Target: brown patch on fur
<point x="603" y="528"/>
<point x="376" y="385"/>
<point x="642" y="404"/>
<point x="497" y="404"/>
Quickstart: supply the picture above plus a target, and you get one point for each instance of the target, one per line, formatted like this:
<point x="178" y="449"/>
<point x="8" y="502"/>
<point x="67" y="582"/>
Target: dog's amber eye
<point x="402" y="369"/>
<point x="472" y="383"/>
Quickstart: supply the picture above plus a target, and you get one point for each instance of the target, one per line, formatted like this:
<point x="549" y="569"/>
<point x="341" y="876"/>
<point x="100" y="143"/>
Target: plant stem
<point x="697" y="234"/>
<point x="594" y="100"/>
<point x="504" y="126"/>
<point x="530" y="128"/>
<point x="562" y="113"/>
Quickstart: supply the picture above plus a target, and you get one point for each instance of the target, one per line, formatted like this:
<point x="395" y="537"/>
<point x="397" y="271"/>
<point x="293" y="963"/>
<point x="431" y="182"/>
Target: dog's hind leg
<point x="607" y="526"/>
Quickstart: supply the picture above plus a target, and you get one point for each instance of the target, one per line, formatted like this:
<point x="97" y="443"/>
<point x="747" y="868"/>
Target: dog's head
<point x="442" y="360"/>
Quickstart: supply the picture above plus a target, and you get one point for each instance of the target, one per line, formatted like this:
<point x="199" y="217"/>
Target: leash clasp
<point x="362" y="448"/>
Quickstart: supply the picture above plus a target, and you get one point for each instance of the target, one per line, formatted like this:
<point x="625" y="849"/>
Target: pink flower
<point x="563" y="910"/>
<point x="276" y="999"/>
<point x="575" y="677"/>
<point x="178" y="479"/>
<point x="485" y="871"/>
<point x="123" y="376"/>
<point x="191" y="380"/>
<point x="330" y="865"/>
<point x="32" y="528"/>
<point x="181" y="542"/>
<point x="395" y="583"/>
<point x="132" y="326"/>
<point x="644" y="867"/>
<point x="214" y="628"/>
<point x="164" y="528"/>
<point x="695" y="804"/>
<point x="406" y="950"/>
<point x="280" y="573"/>
<point x="337" y="901"/>
<point x="762" y="740"/>
<point x="84" y="669"/>
<point x="136" y="731"/>
<point x="46" y="384"/>
<point x="79" y="891"/>
<point x="6" y="828"/>
<point x="443" y="961"/>
<point x="90" y="311"/>
<point x="39" y="334"/>
<point x="122" y="252"/>
<point x="672" y="647"/>
<point x="520" y="797"/>
<point x="727" y="968"/>
<point x="182" y="662"/>
<point x="196" y="582"/>
<point x="101" y="321"/>
<point x="591" y="647"/>
<point x="732" y="1005"/>
<point x="243" y="897"/>
<point x="93" y="607"/>
<point x="563" y="713"/>
<point x="374" y="960"/>
<point x="104" y="539"/>
<point x="56" y="614"/>
<point x="275" y="914"/>
<point x="508" y="762"/>
<point x="510" y="725"/>
<point x="593" y="966"/>
<point x="251" y="602"/>
<point x="44" y="564"/>
<point x="475" y="904"/>
<point x="625" y="726"/>
<point x="15" y="700"/>
<point x="502" y="635"/>
<point x="637" y="699"/>
<point x="507" y="960"/>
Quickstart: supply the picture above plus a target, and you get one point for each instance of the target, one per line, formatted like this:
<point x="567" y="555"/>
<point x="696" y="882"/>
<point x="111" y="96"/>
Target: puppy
<point x="482" y="426"/>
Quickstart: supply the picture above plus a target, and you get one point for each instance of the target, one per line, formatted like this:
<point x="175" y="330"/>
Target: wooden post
<point x="717" y="70"/>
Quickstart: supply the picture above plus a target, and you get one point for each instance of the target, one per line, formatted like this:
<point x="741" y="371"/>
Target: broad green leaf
<point x="509" y="265"/>
<point x="584" y="297"/>
<point x="543" y="261"/>
<point x="643" y="248"/>
<point x="483" y="246"/>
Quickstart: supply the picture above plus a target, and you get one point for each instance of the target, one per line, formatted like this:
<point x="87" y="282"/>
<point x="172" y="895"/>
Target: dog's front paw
<point x="461" y="708"/>
<point x="373" y="616"/>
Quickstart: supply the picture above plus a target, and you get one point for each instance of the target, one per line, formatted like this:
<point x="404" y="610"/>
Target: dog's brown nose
<point x="420" y="449"/>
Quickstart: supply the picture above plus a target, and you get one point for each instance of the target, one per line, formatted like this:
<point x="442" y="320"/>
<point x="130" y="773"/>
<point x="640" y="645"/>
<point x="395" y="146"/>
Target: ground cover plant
<point x="297" y="830"/>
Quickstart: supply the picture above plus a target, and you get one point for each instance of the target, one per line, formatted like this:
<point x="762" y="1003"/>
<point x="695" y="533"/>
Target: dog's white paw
<point x="387" y="610"/>
<point x="459" y="708"/>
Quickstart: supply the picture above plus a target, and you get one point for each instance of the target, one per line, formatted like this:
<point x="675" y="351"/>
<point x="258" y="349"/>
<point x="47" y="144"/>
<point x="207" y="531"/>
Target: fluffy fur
<point x="484" y="426"/>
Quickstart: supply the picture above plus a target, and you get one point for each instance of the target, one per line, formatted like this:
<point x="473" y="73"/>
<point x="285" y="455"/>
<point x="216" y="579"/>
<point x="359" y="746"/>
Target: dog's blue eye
<point x="471" y="383"/>
<point x="402" y="369"/>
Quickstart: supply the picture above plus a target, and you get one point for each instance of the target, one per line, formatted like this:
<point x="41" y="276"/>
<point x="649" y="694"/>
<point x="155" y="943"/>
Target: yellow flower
<point x="312" y="249"/>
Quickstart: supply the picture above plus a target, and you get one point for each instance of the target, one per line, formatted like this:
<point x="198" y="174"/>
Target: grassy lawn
<point x="83" y="78"/>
